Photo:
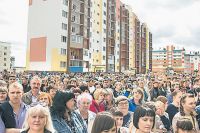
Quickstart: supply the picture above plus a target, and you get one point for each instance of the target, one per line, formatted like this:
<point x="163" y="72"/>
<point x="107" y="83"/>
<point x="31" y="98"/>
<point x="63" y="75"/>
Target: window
<point x="104" y="48"/>
<point x="63" y="39"/>
<point x="4" y="64"/>
<point x="104" y="30"/>
<point x="65" y="2"/>
<point x="64" y="13"/>
<point x="98" y="14"/>
<point x="104" y="4"/>
<point x="104" y="13"/>
<point x="64" y="26"/>
<point x="73" y="29"/>
<point x="74" y="7"/>
<point x="73" y="18"/>
<point x="5" y="53"/>
<point x="4" y="59"/>
<point x="104" y="21"/>
<point x="62" y="64"/>
<point x="97" y="41"/>
<point x="63" y="51"/>
<point x="97" y="32"/>
<point x="5" y="48"/>
<point x="98" y="23"/>
<point x="104" y="57"/>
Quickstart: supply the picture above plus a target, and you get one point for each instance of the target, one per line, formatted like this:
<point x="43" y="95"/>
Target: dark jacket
<point x="45" y="131"/>
<point x="7" y="115"/>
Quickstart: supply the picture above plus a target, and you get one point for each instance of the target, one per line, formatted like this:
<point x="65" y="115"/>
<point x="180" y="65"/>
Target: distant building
<point x="169" y="58"/>
<point x="12" y="62"/>
<point x="5" y="52"/>
<point x="194" y="58"/>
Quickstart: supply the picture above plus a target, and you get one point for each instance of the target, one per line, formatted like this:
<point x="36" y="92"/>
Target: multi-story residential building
<point x="101" y="35"/>
<point x="144" y="42"/>
<point x="150" y="51"/>
<point x="194" y="58"/>
<point x="48" y="30"/>
<point x="168" y="58"/>
<point x="5" y="55"/>
<point x="124" y="38"/>
<point x="138" y="51"/>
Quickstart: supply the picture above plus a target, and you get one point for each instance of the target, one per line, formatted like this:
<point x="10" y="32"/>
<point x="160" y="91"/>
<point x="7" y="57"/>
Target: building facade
<point x="101" y="36"/>
<point x="169" y="58"/>
<point x="5" y="56"/>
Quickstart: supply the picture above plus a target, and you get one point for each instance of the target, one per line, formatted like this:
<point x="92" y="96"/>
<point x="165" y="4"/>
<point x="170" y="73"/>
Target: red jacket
<point x="94" y="107"/>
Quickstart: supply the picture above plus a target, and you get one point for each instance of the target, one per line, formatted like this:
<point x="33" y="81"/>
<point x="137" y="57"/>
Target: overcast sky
<point x="171" y="22"/>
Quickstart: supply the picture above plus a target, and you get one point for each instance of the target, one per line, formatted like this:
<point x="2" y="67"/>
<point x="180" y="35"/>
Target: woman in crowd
<point x="117" y="89"/>
<point x="137" y="99"/>
<point x="38" y="120"/>
<point x="83" y="101"/>
<point x="64" y="118"/>
<point x="104" y="123"/>
<point x="144" y="120"/>
<point x="123" y="105"/>
<point x="187" y="110"/>
<point x="45" y="98"/>
<point x="52" y="91"/>
<point x="109" y="99"/>
<point x="184" y="125"/>
<point x="98" y="102"/>
<point x="3" y="94"/>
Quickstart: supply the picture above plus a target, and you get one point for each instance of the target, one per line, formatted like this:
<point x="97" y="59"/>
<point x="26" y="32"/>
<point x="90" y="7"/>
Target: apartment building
<point x="168" y="58"/>
<point x="5" y="55"/>
<point x="101" y="36"/>
<point x="48" y="30"/>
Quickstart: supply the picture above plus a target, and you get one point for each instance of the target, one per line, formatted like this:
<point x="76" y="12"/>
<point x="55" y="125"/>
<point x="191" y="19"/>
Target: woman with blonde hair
<point x="38" y="120"/>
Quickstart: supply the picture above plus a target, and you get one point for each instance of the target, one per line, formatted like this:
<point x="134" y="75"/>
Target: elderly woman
<point x="83" y="102"/>
<point x="38" y="120"/>
<point x="98" y="102"/>
<point x="64" y="118"/>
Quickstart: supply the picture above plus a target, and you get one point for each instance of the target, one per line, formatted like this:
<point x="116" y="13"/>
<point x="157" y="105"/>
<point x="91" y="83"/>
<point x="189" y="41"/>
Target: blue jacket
<point x="132" y="105"/>
<point x="61" y="125"/>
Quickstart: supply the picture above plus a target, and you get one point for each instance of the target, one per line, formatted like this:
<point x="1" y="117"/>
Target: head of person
<point x="35" y="85"/>
<point x="155" y="84"/>
<point x="98" y="85"/>
<point x="84" y="101"/>
<point x="45" y="98"/>
<point x="24" y="80"/>
<point x="109" y="97"/>
<point x="51" y="90"/>
<point x="3" y="94"/>
<point x="37" y="119"/>
<point x="144" y="119"/>
<point x="104" y="123"/>
<point x="91" y="82"/>
<point x="163" y="99"/>
<point x="187" y="104"/>
<point x="141" y="84"/>
<point x="176" y="95"/>
<point x="118" y="86"/>
<point x="175" y="86"/>
<point x="15" y="92"/>
<point x="106" y="83"/>
<point x="62" y="102"/>
<point x="122" y="104"/>
<point x="76" y="92"/>
<point x="184" y="125"/>
<point x="73" y="81"/>
<point x="84" y="88"/>
<point x="138" y="95"/>
<point x="11" y="79"/>
<point x="118" y="116"/>
<point x="3" y="83"/>
<point x="99" y="95"/>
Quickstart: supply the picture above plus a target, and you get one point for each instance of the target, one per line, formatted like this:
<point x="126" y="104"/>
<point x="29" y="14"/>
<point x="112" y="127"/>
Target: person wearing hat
<point x="64" y="118"/>
<point x="122" y="104"/>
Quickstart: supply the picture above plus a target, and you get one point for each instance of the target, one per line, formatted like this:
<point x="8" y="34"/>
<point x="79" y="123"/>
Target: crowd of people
<point x="47" y="102"/>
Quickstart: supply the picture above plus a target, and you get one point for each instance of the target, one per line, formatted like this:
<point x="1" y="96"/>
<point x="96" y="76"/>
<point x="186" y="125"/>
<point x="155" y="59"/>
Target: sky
<point x="172" y="22"/>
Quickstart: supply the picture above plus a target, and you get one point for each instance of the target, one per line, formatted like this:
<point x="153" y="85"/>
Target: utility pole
<point x="69" y="34"/>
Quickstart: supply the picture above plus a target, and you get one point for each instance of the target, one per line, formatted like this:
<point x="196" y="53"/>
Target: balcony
<point x="76" y="41"/>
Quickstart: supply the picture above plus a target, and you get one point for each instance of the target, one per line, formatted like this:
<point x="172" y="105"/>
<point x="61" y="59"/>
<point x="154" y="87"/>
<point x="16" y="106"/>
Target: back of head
<point x="104" y="121"/>
<point x="184" y="124"/>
